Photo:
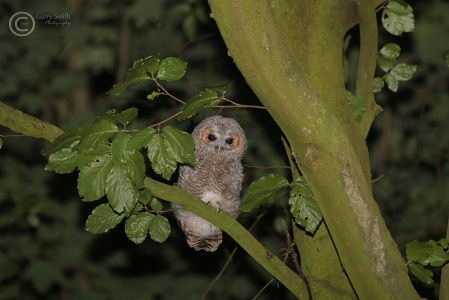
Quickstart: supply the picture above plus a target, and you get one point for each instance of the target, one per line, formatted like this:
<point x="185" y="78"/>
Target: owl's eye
<point x="211" y="137"/>
<point x="229" y="141"/>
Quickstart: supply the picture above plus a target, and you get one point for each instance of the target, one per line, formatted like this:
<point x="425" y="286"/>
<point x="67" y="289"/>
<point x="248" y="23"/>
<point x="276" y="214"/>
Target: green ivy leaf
<point x="121" y="192"/>
<point x="92" y="178"/>
<point x="64" y="161"/>
<point x="403" y="72"/>
<point x="137" y="74"/>
<point x="397" y="19"/>
<point x="390" y="51"/>
<point x="392" y="82"/>
<point x="141" y="139"/>
<point x="378" y="84"/>
<point x="156" y="205"/>
<point x="357" y="106"/>
<point x="194" y="104"/>
<point x="304" y="208"/>
<point x="180" y="144"/>
<point x="263" y="191"/>
<point x="99" y="132"/>
<point x="162" y="159"/>
<point x="171" y="69"/>
<point x="159" y="228"/>
<point x="137" y="227"/>
<point x="102" y="219"/>
<point x="421" y="273"/>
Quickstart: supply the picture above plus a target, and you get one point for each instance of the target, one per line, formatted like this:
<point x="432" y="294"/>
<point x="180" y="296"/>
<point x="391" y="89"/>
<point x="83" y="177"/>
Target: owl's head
<point x="220" y="136"/>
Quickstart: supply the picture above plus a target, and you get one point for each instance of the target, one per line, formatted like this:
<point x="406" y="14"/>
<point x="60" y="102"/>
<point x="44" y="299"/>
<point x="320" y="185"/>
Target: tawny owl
<point x="216" y="179"/>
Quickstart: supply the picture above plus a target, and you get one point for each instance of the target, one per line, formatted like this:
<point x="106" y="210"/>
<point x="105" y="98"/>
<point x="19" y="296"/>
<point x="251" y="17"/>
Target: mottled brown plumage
<point x="216" y="179"/>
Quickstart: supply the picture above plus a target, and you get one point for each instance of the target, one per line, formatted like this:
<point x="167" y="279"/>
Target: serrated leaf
<point x="156" y="205"/>
<point x="194" y="104"/>
<point x="444" y="243"/>
<point x="397" y="19"/>
<point x="137" y="227"/>
<point x="99" y="132"/>
<point x="386" y="64"/>
<point x="153" y="95"/>
<point x="180" y="144"/>
<point x="101" y="151"/>
<point x="92" y="178"/>
<point x="66" y="140"/>
<point x="126" y="116"/>
<point x="119" y="149"/>
<point x="357" y="106"/>
<point x="220" y="89"/>
<point x="438" y="257"/>
<point x="64" y="161"/>
<point x="418" y="251"/>
<point x="135" y="168"/>
<point x="121" y="192"/>
<point x="263" y="191"/>
<point x="141" y="139"/>
<point x="390" y="51"/>
<point x="378" y="84"/>
<point x="171" y="69"/>
<point x="304" y="208"/>
<point x="421" y="273"/>
<point x="392" y="82"/>
<point x="162" y="159"/>
<point x="403" y="72"/>
<point x="102" y="219"/>
<point x="159" y="228"/>
<point x="145" y="196"/>
<point x="137" y="74"/>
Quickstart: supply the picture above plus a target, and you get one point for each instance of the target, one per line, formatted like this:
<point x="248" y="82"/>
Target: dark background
<point x="61" y="73"/>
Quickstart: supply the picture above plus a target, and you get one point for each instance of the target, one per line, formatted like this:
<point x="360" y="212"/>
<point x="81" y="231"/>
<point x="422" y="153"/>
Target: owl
<point x="216" y="178"/>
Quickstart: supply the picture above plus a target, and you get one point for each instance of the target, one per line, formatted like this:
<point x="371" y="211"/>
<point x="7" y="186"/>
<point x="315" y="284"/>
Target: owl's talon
<point x="217" y="208"/>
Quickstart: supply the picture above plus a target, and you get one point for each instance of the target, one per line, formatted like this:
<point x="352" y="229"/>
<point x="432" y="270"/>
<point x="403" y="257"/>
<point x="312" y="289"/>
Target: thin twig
<point x="228" y="261"/>
<point x="294" y="256"/>
<point x="168" y="119"/>
<point x="264" y="287"/>
<point x="165" y="92"/>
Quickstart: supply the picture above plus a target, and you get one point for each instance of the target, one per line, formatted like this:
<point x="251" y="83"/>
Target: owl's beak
<point x="218" y="148"/>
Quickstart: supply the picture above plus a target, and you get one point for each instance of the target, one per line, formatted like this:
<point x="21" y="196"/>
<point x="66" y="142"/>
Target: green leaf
<point x="92" y="178"/>
<point x="378" y="84"/>
<point x="220" y="89"/>
<point x="127" y="116"/>
<point x="156" y="205"/>
<point x="421" y="273"/>
<point x="135" y="168"/>
<point x="162" y="159"/>
<point x="418" y="251"/>
<point x="153" y="95"/>
<point x="121" y="192"/>
<point x="171" y="69"/>
<point x="180" y="144"/>
<point x="403" y="72"/>
<point x="102" y="219"/>
<point x="390" y="51"/>
<point x="159" y="228"/>
<point x="386" y="64"/>
<point x="263" y="191"/>
<point x="64" y="161"/>
<point x="397" y="19"/>
<point x="304" y="208"/>
<point x="145" y="196"/>
<point x="99" y="132"/>
<point x="194" y="104"/>
<point x="137" y="74"/>
<point x="119" y="149"/>
<point x="141" y="139"/>
<point x="392" y="82"/>
<point x="66" y="140"/>
<point x="439" y="255"/>
<point x="137" y="227"/>
<point x="357" y="106"/>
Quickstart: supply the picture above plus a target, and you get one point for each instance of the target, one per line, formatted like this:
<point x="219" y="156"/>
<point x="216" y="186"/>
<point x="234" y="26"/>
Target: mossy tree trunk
<point x="291" y="54"/>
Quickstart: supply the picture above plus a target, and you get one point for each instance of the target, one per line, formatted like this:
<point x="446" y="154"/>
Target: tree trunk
<point x="291" y="54"/>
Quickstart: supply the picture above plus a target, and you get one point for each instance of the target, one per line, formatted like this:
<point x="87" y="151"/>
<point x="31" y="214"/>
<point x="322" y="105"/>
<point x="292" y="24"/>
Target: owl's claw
<point x="217" y="208"/>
